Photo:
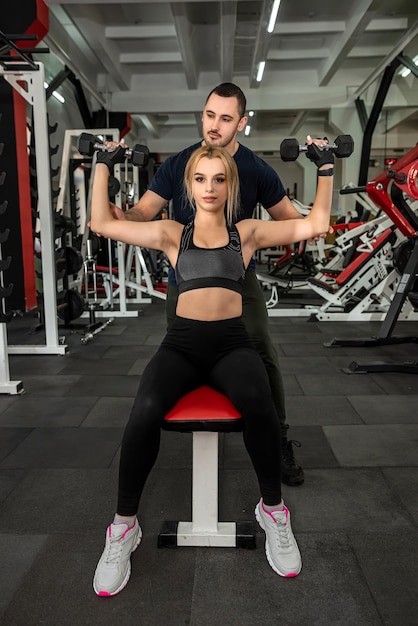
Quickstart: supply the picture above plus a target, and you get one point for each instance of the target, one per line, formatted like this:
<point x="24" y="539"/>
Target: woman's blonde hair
<point x="231" y="176"/>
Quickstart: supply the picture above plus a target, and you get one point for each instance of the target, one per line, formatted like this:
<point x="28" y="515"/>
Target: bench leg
<point x="205" y="529"/>
<point x="205" y="482"/>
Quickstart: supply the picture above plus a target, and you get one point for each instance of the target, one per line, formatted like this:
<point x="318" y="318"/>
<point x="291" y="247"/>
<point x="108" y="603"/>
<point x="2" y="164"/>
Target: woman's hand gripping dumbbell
<point x="110" y="152"/>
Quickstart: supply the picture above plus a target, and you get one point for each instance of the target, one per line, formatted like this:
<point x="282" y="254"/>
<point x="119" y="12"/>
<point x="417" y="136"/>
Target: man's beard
<point x="219" y="141"/>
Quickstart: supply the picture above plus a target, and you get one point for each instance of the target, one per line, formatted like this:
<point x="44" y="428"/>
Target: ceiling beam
<point x="285" y="29"/>
<point x="149" y="123"/>
<point x="150" y="31"/>
<point x="297" y="55"/>
<point x="67" y="43"/>
<point x="402" y="43"/>
<point x="361" y="14"/>
<point x="185" y="41"/>
<point x="326" y="27"/>
<point x="262" y="43"/>
<point x="143" y="101"/>
<point x="298" y="122"/>
<point x="87" y="18"/>
<point x="392" y="118"/>
<point x="150" y="57"/>
<point x="228" y="24"/>
<point x="323" y="53"/>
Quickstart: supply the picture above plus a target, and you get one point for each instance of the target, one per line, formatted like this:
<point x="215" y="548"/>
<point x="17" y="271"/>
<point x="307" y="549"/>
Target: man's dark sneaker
<point x="292" y="473"/>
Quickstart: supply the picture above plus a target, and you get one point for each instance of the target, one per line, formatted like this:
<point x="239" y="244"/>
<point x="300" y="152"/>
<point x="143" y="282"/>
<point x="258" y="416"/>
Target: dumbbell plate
<point x="86" y="143"/>
<point x="140" y="155"/>
<point x="113" y="186"/>
<point x="289" y="149"/>
<point x="345" y="146"/>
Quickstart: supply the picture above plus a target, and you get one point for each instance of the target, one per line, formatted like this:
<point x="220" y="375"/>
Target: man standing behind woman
<point x="223" y="118"/>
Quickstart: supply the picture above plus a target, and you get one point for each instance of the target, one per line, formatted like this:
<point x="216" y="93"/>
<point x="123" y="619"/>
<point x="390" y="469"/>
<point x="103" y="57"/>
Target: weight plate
<point x="402" y="254"/>
<point x="74" y="260"/>
<point x="71" y="306"/>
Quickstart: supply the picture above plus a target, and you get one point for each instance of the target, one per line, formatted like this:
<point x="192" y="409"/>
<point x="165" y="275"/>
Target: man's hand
<point x="318" y="238"/>
<point x="323" y="236"/>
<point x="117" y="213"/>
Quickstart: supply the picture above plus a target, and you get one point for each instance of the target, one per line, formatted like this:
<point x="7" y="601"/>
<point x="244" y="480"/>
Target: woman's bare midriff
<point x="209" y="304"/>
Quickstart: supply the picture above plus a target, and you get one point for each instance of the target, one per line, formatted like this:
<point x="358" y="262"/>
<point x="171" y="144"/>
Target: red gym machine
<point x="387" y="190"/>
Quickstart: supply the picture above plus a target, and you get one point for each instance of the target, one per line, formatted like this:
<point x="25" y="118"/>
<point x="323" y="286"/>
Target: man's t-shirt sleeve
<point x="162" y="182"/>
<point x="259" y="183"/>
<point x="271" y="189"/>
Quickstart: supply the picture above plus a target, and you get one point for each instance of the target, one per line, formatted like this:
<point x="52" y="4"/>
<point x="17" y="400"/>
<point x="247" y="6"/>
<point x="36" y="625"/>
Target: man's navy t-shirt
<point x="259" y="183"/>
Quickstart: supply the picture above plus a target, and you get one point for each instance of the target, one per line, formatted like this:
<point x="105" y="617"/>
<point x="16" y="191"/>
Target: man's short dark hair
<point x="229" y="90"/>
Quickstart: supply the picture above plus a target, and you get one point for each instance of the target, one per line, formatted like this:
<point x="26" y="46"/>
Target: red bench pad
<point x="203" y="409"/>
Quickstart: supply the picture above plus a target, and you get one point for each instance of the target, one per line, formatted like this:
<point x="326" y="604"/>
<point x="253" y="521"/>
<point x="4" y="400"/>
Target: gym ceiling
<point x="158" y="60"/>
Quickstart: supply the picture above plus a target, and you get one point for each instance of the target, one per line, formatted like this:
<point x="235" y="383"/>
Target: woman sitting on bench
<point x="207" y="344"/>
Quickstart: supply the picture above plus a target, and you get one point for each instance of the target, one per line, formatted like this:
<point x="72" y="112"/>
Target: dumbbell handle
<point x="328" y="146"/>
<point x="103" y="148"/>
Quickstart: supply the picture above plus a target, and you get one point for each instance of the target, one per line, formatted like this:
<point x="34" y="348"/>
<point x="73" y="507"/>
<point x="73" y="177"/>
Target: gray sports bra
<point x="197" y="268"/>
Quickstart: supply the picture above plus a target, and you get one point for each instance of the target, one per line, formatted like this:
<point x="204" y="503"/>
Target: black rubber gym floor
<point x="355" y="518"/>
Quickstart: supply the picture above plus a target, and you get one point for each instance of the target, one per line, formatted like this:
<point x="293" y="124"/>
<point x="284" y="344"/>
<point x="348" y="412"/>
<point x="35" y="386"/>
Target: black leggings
<point x="195" y="353"/>
<point x="256" y="321"/>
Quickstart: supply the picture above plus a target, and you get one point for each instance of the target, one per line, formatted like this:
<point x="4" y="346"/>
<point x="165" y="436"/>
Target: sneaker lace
<point x="282" y="531"/>
<point x="114" y="551"/>
<point x="288" y="456"/>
